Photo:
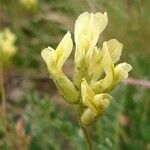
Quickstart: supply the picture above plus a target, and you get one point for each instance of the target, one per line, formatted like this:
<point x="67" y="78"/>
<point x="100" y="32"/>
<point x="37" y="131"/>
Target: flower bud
<point x="95" y="104"/>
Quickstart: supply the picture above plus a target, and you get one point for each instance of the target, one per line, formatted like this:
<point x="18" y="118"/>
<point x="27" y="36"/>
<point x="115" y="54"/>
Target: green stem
<point x="100" y="134"/>
<point x="85" y="130"/>
<point x="9" y="135"/>
<point x="3" y="100"/>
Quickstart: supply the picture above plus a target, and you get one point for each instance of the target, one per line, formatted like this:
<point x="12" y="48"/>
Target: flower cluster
<point x="7" y="45"/>
<point x="89" y="88"/>
<point x="29" y="4"/>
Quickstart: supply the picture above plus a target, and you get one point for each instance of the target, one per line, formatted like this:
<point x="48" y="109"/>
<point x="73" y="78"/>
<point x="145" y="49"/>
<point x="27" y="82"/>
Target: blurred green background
<point x="39" y="119"/>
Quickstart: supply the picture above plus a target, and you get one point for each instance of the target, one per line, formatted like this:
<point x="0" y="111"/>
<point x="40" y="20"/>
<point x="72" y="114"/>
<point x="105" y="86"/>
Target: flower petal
<point x="115" y="49"/>
<point x="108" y="67"/>
<point x="64" y="50"/>
<point x="88" y="28"/>
<point x="95" y="66"/>
<point x="97" y="24"/>
<point x="87" y="95"/>
<point x="49" y="56"/>
<point x="90" y="25"/>
<point x="121" y="71"/>
<point x="88" y="117"/>
<point x="81" y="50"/>
<point x="81" y="26"/>
<point x="102" y="100"/>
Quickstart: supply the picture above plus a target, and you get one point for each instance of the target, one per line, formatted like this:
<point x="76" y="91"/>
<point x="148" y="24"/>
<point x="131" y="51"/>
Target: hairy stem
<point x="85" y="130"/>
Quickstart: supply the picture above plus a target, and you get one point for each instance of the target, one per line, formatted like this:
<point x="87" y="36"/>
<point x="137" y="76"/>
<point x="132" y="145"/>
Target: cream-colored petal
<point x="102" y="100"/>
<point x="49" y="55"/>
<point x="90" y="25"/>
<point x="81" y="37"/>
<point x="81" y="50"/>
<point x="56" y="58"/>
<point x="64" y="50"/>
<point x="88" y="28"/>
<point x="115" y="49"/>
<point x="64" y="85"/>
<point x="111" y="53"/>
<point x="81" y="26"/>
<point x="95" y="66"/>
<point x="87" y="95"/>
<point x="88" y="117"/>
<point x="97" y="24"/>
<point x="121" y="71"/>
<point x="108" y="67"/>
<point x="107" y="60"/>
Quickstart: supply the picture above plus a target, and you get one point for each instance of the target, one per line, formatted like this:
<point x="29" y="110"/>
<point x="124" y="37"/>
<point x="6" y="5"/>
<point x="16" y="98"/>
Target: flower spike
<point x="89" y="89"/>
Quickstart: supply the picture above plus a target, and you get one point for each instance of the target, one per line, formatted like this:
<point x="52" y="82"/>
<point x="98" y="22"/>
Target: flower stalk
<point x="3" y="98"/>
<point x="88" y="89"/>
<point x="7" y="51"/>
<point x="84" y="129"/>
<point x="3" y="103"/>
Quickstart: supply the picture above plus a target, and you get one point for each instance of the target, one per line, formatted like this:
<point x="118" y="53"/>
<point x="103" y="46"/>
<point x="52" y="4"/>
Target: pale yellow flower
<point x="95" y="104"/>
<point x="7" y="45"/>
<point x="87" y="30"/>
<point x="111" y="54"/>
<point x="55" y="60"/>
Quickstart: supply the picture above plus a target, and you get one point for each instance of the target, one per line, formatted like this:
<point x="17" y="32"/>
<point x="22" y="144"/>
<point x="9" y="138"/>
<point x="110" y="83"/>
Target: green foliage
<point x="46" y="122"/>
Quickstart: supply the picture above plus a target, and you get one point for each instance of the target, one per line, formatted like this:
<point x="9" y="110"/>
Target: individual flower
<point x="7" y="45"/>
<point x="113" y="74"/>
<point x="96" y="104"/>
<point x="55" y="60"/>
<point x="87" y="30"/>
